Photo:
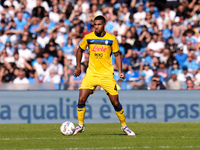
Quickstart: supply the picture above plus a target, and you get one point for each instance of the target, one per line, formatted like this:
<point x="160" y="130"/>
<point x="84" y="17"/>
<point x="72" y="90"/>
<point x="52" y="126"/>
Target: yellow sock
<point x="121" y="116"/>
<point x="81" y="114"/>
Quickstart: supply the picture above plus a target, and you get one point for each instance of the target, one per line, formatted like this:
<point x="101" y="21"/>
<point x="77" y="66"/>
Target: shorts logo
<point x="115" y="88"/>
<point x="97" y="48"/>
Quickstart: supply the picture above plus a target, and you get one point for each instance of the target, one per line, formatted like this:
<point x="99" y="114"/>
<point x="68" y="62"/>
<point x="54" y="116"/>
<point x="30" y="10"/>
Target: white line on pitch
<point x="73" y="138"/>
<point x="131" y="147"/>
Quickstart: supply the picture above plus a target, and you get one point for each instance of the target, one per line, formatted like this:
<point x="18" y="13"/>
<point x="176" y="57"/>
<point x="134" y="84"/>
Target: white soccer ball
<point x="67" y="128"/>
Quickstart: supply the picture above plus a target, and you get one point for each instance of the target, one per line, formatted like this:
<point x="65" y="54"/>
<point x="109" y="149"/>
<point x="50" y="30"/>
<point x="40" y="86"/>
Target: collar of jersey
<point x="99" y="36"/>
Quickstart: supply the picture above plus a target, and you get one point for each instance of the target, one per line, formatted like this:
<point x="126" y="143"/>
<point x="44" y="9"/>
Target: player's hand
<point x="121" y="75"/>
<point x="77" y="72"/>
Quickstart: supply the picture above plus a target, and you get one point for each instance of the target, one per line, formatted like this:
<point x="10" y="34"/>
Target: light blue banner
<point x="59" y="106"/>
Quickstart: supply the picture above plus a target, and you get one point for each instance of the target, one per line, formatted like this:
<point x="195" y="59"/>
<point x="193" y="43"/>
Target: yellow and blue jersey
<point x="100" y="50"/>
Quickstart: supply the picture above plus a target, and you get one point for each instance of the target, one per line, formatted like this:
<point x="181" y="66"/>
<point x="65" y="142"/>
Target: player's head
<point x="100" y="18"/>
<point x="99" y="24"/>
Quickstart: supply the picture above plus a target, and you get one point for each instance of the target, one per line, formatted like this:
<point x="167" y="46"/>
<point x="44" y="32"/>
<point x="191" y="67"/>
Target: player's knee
<point x="116" y="104"/>
<point x="81" y="100"/>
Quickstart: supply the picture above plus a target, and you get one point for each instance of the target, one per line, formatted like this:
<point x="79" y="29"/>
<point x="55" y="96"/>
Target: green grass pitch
<point x="101" y="136"/>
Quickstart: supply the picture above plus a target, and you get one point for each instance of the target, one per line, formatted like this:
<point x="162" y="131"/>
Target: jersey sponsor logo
<point x="97" y="48"/>
<point x="98" y="55"/>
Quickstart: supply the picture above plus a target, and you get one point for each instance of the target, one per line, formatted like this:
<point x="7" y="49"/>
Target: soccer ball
<point x="67" y="128"/>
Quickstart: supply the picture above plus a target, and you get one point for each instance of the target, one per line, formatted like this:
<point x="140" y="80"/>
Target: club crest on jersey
<point x="106" y="42"/>
<point x="97" y="48"/>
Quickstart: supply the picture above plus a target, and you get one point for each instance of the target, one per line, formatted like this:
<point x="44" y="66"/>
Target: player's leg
<point x="118" y="108"/>
<point x="83" y="95"/>
<point x="110" y="86"/>
<point x="120" y="113"/>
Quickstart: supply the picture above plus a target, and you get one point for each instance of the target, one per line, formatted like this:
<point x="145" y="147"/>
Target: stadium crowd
<point x="159" y="41"/>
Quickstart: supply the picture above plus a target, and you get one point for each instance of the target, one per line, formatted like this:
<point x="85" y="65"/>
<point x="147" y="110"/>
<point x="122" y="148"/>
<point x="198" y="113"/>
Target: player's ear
<point x="104" y="24"/>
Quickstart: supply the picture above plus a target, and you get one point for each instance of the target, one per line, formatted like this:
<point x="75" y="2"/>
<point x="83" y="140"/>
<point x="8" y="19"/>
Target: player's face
<point x="99" y="26"/>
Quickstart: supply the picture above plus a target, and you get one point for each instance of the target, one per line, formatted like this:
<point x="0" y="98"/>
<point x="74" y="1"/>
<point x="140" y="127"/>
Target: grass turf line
<point x="101" y="136"/>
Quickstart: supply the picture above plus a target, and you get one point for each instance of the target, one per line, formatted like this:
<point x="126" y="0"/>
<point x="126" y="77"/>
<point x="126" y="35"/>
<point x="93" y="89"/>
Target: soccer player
<point x="100" y="71"/>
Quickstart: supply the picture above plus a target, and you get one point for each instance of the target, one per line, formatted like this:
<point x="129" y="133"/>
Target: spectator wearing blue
<point x="153" y="10"/>
<point x="149" y="57"/>
<point x="162" y="70"/>
<point x="25" y="15"/>
<point x="136" y="3"/>
<point x="34" y="25"/>
<point x="3" y="25"/>
<point x="130" y="22"/>
<point x="69" y="47"/>
<point x="109" y="24"/>
<point x="191" y="38"/>
<point x="31" y="45"/>
<point x="116" y="5"/>
<point x="2" y="46"/>
<point x="191" y="64"/>
<point x="166" y="32"/>
<point x="46" y="22"/>
<point x="19" y="21"/>
<point x="139" y="84"/>
<point x="155" y="73"/>
<point x="147" y="71"/>
<point x="11" y="25"/>
<point x="176" y="67"/>
<point x="132" y="76"/>
<point x="180" y="56"/>
<point x="31" y="77"/>
<point x="47" y="58"/>
<point x="138" y="27"/>
<point x="8" y="47"/>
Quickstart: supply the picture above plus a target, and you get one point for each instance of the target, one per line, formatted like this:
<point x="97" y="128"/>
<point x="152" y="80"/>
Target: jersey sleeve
<point x="83" y="44"/>
<point x="115" y="46"/>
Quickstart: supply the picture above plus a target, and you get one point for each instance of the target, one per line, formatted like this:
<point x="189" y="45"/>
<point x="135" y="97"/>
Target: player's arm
<point x="118" y="59"/>
<point x="79" y="54"/>
<point x="119" y="64"/>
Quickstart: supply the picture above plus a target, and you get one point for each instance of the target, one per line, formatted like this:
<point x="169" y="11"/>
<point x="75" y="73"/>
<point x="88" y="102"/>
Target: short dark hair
<point x="100" y="18"/>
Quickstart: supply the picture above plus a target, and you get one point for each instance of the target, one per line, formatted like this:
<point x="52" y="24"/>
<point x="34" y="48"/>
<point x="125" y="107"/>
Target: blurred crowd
<point x="159" y="41"/>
